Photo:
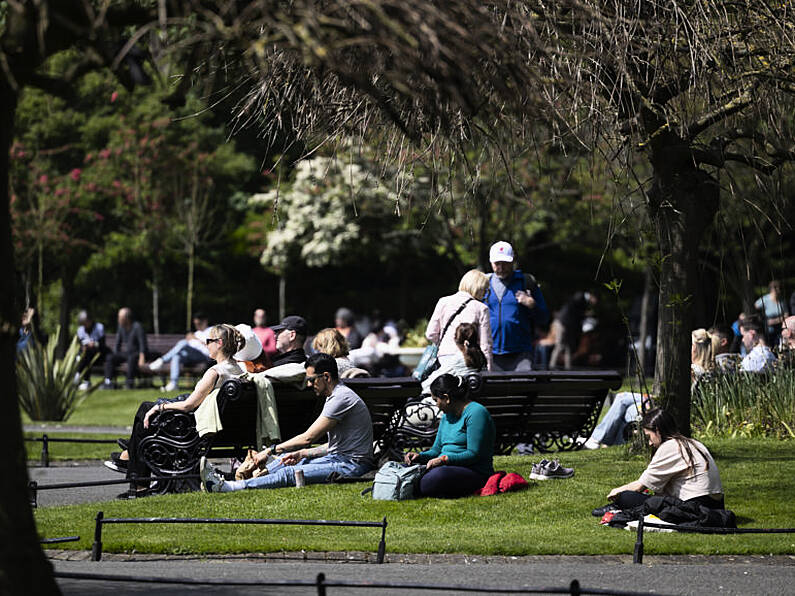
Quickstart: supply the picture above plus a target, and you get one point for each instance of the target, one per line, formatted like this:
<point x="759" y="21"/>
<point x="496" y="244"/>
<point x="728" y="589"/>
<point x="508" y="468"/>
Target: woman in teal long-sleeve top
<point x="461" y="459"/>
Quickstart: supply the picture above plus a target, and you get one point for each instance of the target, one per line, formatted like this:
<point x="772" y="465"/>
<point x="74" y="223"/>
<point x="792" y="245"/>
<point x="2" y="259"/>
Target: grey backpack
<point x="396" y="482"/>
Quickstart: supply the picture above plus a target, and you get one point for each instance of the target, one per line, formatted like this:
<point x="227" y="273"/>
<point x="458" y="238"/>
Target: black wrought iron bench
<point x="551" y="410"/>
<point x="175" y="448"/>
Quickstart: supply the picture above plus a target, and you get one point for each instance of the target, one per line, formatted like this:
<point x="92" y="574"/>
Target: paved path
<point x="661" y="575"/>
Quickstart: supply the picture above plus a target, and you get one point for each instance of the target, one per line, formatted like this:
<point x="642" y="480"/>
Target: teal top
<point x="466" y="440"/>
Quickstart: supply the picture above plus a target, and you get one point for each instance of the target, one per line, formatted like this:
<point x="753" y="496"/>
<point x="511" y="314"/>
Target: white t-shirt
<point x="669" y="473"/>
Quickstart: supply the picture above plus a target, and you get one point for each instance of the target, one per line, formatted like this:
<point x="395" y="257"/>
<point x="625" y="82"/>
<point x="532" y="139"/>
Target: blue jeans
<point x="316" y="471"/>
<point x="183" y="354"/>
<point x="625" y="410"/>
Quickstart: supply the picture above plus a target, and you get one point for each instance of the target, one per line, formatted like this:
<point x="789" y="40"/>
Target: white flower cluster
<point x="316" y="213"/>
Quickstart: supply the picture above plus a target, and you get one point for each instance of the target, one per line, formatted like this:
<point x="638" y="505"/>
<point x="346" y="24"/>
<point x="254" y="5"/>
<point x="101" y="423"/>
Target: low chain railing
<point x="101" y="520"/>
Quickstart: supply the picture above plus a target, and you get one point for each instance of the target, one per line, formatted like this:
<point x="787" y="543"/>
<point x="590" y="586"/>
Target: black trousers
<point x="629" y="499"/>
<point x="136" y="466"/>
<point x="89" y="353"/>
<point x="113" y="359"/>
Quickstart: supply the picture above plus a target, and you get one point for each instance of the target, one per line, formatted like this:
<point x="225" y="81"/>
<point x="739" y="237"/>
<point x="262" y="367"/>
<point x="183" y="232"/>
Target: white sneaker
<point x="211" y="480"/>
<point x="170" y="386"/>
<point x="156" y="365"/>
<point x="591" y="444"/>
<point x="84" y="386"/>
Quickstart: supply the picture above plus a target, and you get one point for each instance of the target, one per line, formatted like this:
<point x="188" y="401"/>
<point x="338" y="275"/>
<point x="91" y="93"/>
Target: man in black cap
<point x="290" y="356"/>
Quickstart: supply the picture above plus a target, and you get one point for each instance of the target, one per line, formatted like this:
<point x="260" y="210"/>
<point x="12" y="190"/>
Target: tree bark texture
<point x="683" y="201"/>
<point x="23" y="567"/>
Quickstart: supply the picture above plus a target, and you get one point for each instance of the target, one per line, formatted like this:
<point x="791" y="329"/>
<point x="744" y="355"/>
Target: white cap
<point x="253" y="347"/>
<point x="501" y="251"/>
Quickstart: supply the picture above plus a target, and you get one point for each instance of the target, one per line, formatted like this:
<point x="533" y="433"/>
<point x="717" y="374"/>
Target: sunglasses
<point x="211" y="340"/>
<point x="310" y="380"/>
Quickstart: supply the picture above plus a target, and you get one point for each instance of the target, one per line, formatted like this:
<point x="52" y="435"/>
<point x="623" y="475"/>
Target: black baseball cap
<point x="293" y="323"/>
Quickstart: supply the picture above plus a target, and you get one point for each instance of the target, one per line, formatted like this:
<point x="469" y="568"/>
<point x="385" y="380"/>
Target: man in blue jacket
<point x="516" y="306"/>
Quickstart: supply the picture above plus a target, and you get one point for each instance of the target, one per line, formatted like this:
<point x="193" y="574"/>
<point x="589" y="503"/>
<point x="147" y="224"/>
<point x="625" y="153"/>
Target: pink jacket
<point x="474" y="312"/>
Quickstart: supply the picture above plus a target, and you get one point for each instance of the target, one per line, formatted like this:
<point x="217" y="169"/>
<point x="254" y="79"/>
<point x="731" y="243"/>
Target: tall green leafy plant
<point x="46" y="384"/>
<point x="746" y="405"/>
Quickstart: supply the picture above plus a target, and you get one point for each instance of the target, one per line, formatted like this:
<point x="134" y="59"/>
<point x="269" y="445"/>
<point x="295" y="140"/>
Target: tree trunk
<point x="282" y="296"/>
<point x="23" y="567"/>
<point x="643" y="332"/>
<point x="155" y="303"/>
<point x="189" y="298"/>
<point x="683" y="202"/>
<point x="65" y="338"/>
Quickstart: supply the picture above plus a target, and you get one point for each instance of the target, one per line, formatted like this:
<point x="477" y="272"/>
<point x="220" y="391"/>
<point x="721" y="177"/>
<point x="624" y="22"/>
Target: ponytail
<point x="232" y="341"/>
<point x="466" y="338"/>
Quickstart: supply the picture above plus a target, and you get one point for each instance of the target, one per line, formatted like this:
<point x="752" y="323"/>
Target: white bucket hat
<point x="253" y="347"/>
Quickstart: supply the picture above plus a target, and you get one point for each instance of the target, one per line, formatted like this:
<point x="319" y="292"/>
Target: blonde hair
<point x="232" y="341"/>
<point x="702" y="341"/>
<point x="332" y="342"/>
<point x="475" y="283"/>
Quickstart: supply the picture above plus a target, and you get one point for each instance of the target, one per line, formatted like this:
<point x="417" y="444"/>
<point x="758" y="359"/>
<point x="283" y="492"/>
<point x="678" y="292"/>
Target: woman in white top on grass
<point x="681" y="467"/>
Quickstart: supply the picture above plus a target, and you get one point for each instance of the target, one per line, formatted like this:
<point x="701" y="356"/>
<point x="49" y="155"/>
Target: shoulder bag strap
<point x="450" y="320"/>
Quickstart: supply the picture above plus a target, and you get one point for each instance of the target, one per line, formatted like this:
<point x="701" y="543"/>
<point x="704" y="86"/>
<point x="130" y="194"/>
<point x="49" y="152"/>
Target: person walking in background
<point x="464" y="306"/>
<point x="130" y="348"/>
<point x="91" y="335"/>
<point x="774" y="309"/>
<point x="186" y="352"/>
<point x="516" y="306"/>
<point x="569" y="328"/>
<point x="265" y="334"/>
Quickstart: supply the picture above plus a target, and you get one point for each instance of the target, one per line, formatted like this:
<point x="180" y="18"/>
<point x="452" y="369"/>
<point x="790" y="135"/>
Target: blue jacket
<point x="513" y="325"/>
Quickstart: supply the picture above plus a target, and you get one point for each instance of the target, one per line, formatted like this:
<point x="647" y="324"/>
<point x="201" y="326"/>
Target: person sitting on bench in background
<point x="130" y="348"/>
<point x="344" y="421"/>
<point x="462" y="457"/>
<point x="186" y="352"/>
<point x="91" y="335"/>
<point x="223" y="341"/>
<point x="330" y="341"/>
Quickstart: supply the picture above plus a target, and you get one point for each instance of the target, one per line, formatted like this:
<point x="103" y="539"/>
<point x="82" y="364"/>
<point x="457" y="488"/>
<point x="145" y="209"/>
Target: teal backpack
<point x="396" y="482"/>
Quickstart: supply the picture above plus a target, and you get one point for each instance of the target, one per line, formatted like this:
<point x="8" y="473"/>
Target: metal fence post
<point x="33" y="493"/>
<point x="637" y="556"/>
<point x="96" y="548"/>
<point x="45" y="451"/>
<point x="321" y="586"/>
<point x="382" y="544"/>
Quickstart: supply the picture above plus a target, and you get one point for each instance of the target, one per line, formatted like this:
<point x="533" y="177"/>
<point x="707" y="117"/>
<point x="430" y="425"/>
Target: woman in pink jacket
<point x="464" y="306"/>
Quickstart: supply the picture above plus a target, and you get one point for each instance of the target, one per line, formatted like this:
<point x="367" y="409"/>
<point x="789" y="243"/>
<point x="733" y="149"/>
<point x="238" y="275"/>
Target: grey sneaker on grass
<point x="535" y="471"/>
<point x="553" y="469"/>
<point x="211" y="480"/>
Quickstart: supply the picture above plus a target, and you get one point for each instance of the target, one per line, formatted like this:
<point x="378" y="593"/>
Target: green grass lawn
<point x="551" y="517"/>
<point x="111" y="408"/>
<point x="70" y="451"/>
